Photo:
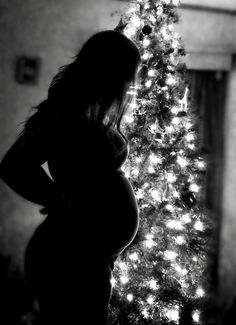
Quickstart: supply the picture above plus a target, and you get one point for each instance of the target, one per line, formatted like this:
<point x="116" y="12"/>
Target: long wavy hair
<point x="93" y="87"/>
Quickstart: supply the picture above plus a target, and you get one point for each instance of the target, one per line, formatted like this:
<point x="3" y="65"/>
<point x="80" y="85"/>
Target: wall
<point x="53" y="30"/>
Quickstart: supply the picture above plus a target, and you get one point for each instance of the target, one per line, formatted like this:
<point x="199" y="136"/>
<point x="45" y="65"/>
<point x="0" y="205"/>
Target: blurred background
<point x="37" y="37"/>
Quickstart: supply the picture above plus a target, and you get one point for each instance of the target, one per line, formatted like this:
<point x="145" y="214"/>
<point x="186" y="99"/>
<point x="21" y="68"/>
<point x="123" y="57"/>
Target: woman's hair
<point x="94" y="85"/>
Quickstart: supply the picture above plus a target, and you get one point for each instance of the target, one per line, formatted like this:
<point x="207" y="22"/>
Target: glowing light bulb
<point x="145" y="313"/>
<point x="199" y="225"/>
<point x="152" y="19"/>
<point x="176" y="2"/>
<point x="134" y="256"/>
<point x="149" y="236"/>
<point x="113" y="282"/>
<point x="139" y="194"/>
<point x="194" y="188"/>
<point x="149" y="243"/>
<point x="135" y="172"/>
<point x="196" y="316"/>
<point x="124" y="279"/>
<point x="128" y="118"/>
<point x="176" y="194"/>
<point x="151" y="169"/>
<point x="135" y="21"/>
<point x="170" y="207"/>
<point x="189" y="137"/>
<point x="170" y="80"/>
<point x="191" y="146"/>
<point x="146" y="56"/>
<point x="153" y="284"/>
<point x="123" y="266"/>
<point x="182" y="161"/>
<point x="170" y="129"/>
<point x="175" y="109"/>
<point x="130" y="297"/>
<point x="150" y="300"/>
<point x="171" y="178"/>
<point x="155" y="194"/>
<point x="155" y="159"/>
<point x="173" y="314"/>
<point x="188" y="125"/>
<point x="181" y="271"/>
<point x="200" y="292"/>
<point x="170" y="255"/>
<point x="130" y="31"/>
<point x="200" y="164"/>
<point x="167" y="1"/>
<point x="186" y="218"/>
<point x="148" y="83"/>
<point x="180" y="240"/>
<point x="176" y="120"/>
<point x="146" y="42"/>
<point x="174" y="224"/>
<point x="151" y="73"/>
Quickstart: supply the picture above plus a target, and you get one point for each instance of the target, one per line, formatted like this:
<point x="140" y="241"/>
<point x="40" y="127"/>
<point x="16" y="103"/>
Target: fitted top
<point x="89" y="156"/>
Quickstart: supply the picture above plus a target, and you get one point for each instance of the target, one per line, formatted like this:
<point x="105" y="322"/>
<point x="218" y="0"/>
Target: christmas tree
<point x="159" y="279"/>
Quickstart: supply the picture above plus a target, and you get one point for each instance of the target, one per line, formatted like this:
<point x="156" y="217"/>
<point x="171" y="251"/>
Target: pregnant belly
<point x="103" y="217"/>
<point x="121" y="219"/>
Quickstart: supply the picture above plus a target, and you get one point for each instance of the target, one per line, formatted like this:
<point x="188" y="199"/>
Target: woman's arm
<point x="21" y="169"/>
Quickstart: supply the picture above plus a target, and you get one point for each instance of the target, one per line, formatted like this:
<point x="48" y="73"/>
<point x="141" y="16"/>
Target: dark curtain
<point x="208" y="92"/>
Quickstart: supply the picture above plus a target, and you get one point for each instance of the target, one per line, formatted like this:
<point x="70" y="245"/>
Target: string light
<point x="152" y="19"/>
<point x="145" y="313"/>
<point x="171" y="178"/>
<point x="170" y="80"/>
<point x="175" y="109"/>
<point x="155" y="159"/>
<point x="170" y="129"/>
<point x="188" y="125"/>
<point x="156" y="195"/>
<point x="174" y="224"/>
<point x="180" y="240"/>
<point x="200" y="164"/>
<point x="194" y="188"/>
<point x="151" y="73"/>
<point x="124" y="279"/>
<point x="181" y="271"/>
<point x="182" y="161"/>
<point x="149" y="243"/>
<point x="135" y="172"/>
<point x="199" y="225"/>
<point x="173" y="313"/>
<point x="146" y="42"/>
<point x="196" y="316"/>
<point x="151" y="169"/>
<point x="200" y="292"/>
<point x="170" y="255"/>
<point x="186" y="218"/>
<point x="148" y="83"/>
<point x="176" y="120"/>
<point x="189" y="137"/>
<point x="146" y="56"/>
<point x="170" y="207"/>
<point x="176" y="2"/>
<point x="130" y="297"/>
<point x="113" y="282"/>
<point x="150" y="300"/>
<point x="134" y="256"/>
<point x="153" y="284"/>
<point x="128" y="118"/>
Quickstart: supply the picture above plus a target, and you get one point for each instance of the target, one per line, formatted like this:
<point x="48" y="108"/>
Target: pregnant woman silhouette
<point x="92" y="214"/>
